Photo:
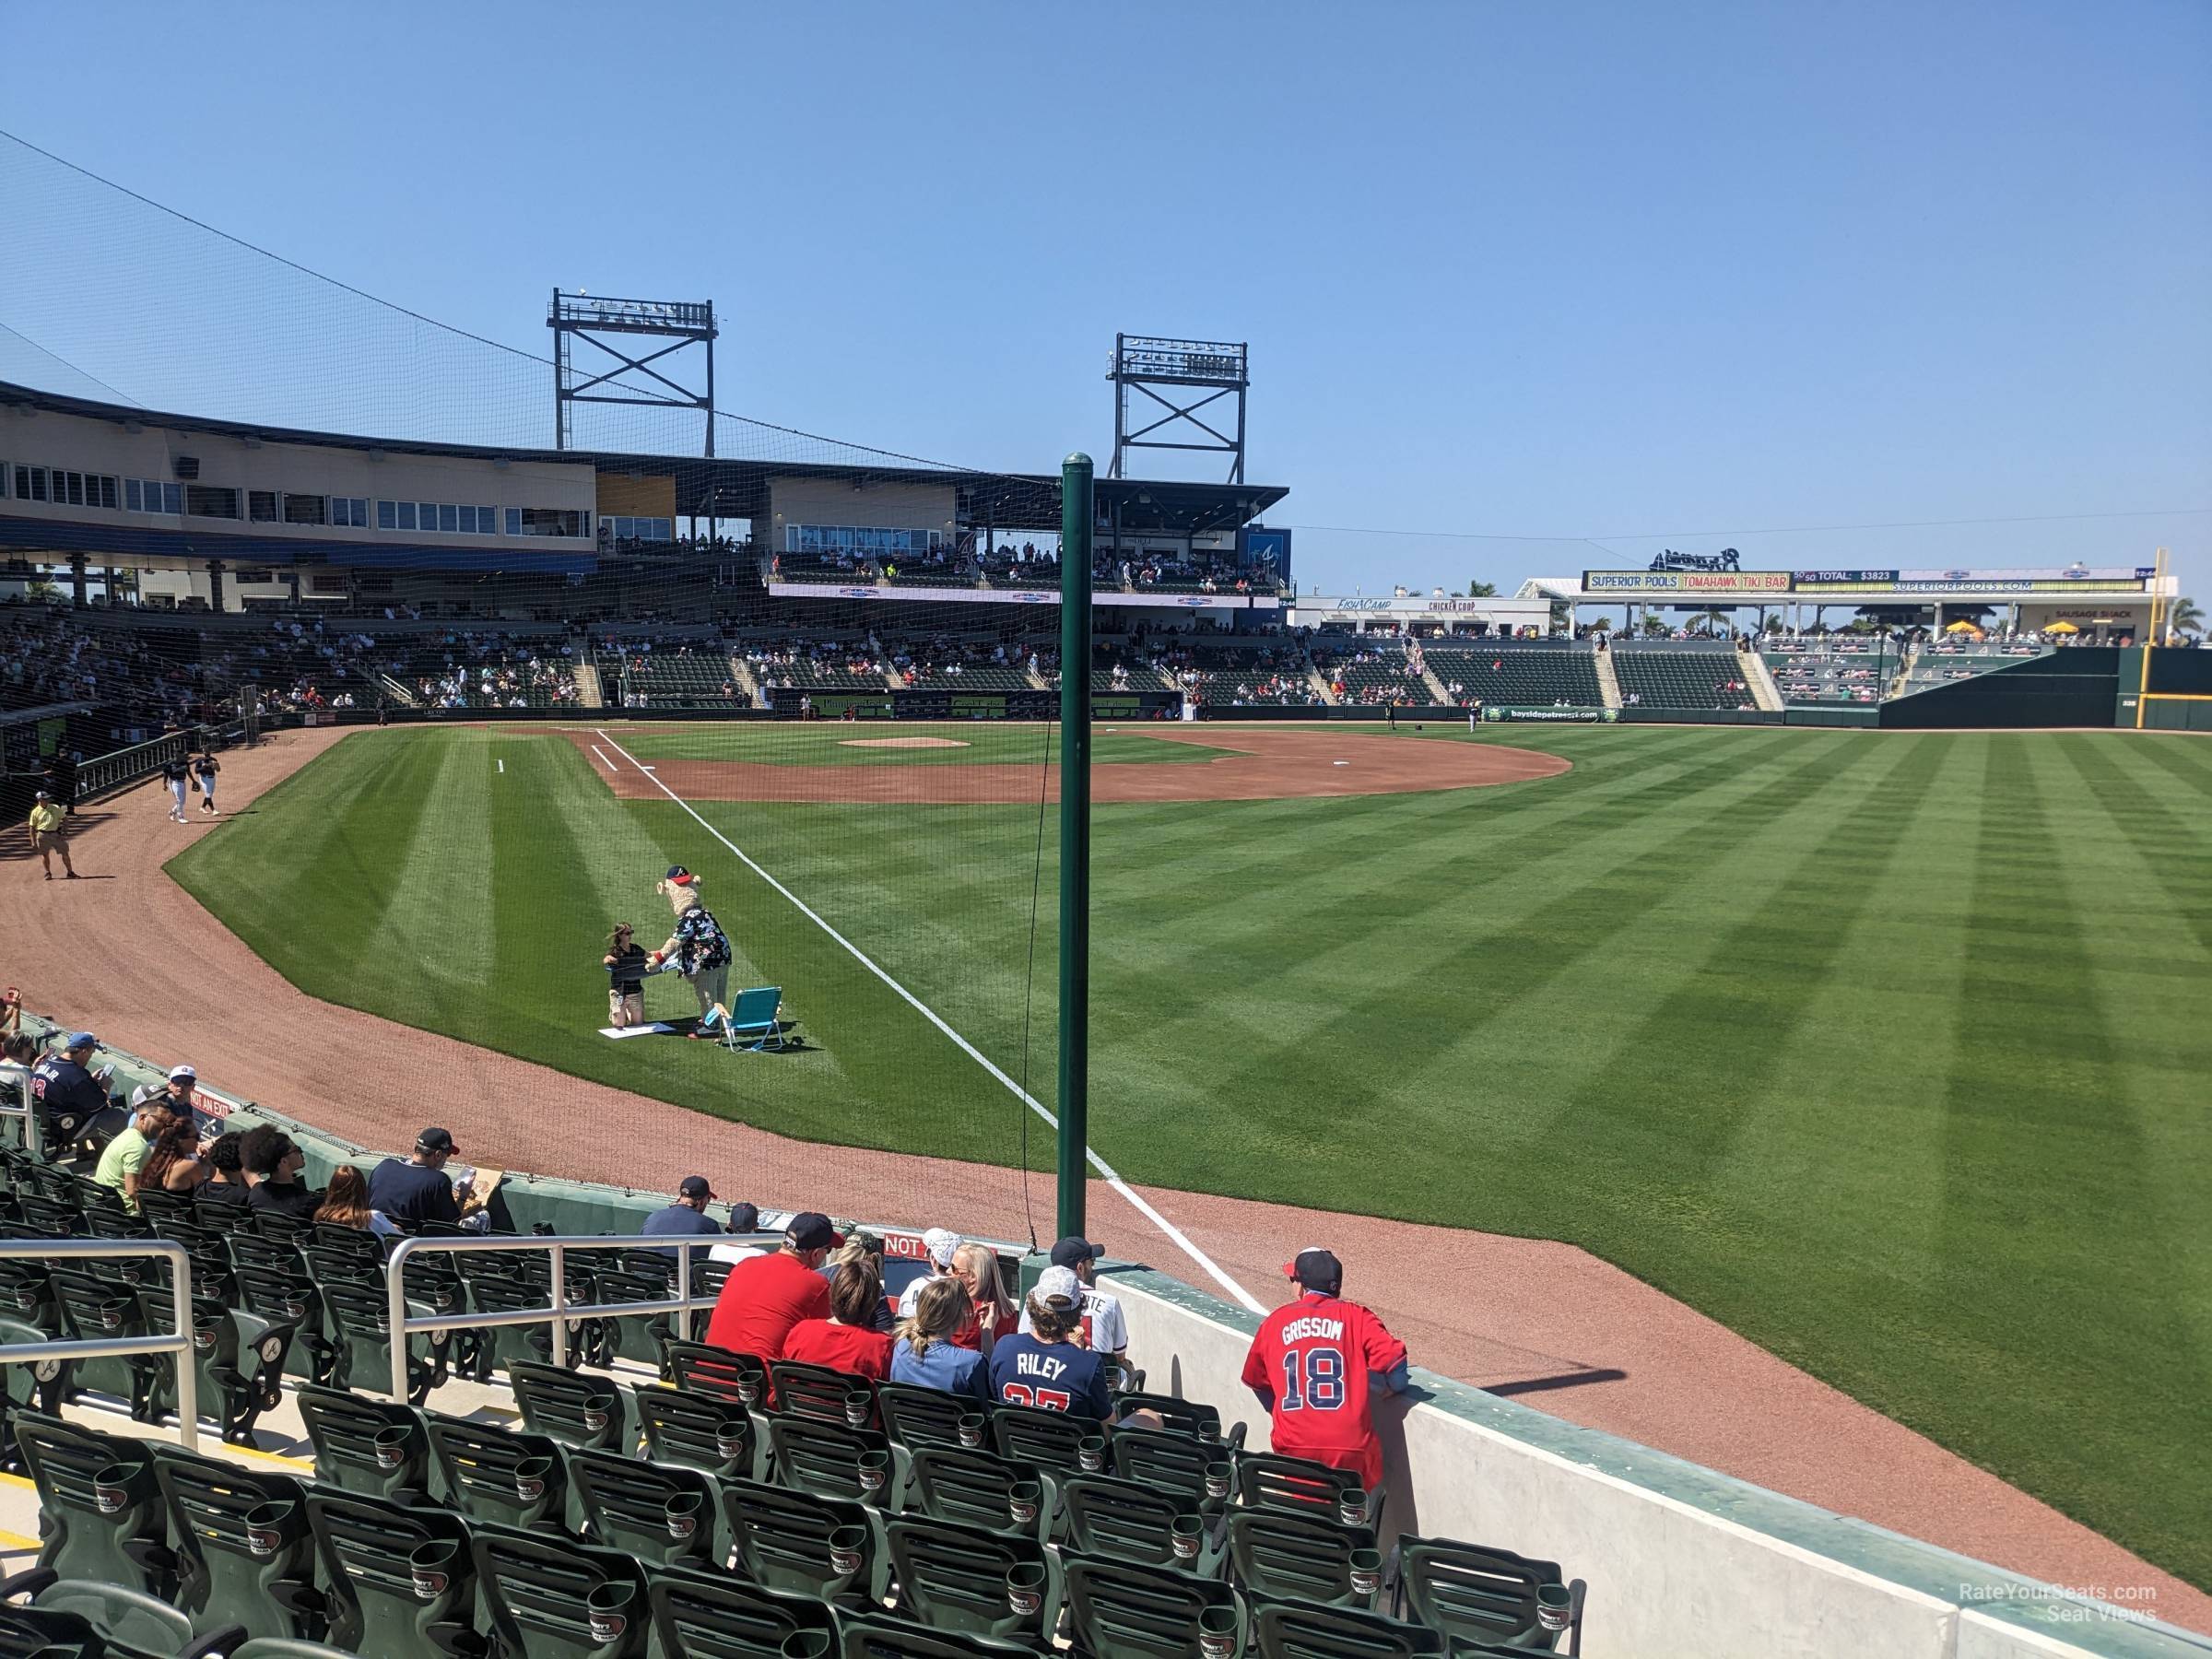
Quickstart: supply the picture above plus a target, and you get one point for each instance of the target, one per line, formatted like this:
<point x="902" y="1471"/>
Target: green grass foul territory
<point x="1885" y="1050"/>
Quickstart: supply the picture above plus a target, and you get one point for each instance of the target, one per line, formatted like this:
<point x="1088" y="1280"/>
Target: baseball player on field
<point x="1309" y="1364"/>
<point x="698" y="949"/>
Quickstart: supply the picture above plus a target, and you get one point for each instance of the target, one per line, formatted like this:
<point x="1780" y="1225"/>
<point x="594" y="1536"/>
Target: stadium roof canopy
<point x="733" y="488"/>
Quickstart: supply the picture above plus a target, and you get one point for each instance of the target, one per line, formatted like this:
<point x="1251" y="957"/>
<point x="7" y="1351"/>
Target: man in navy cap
<point x="1104" y="1331"/>
<point x="688" y="1215"/>
<point x="67" y="1094"/>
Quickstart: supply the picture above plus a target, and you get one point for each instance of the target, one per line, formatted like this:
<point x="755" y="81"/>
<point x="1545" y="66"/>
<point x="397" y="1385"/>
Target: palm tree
<point x="1713" y="618"/>
<point x="2184" y="617"/>
<point x="1482" y="590"/>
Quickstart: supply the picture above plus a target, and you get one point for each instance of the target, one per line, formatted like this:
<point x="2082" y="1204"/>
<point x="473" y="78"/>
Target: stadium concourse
<point x="129" y="955"/>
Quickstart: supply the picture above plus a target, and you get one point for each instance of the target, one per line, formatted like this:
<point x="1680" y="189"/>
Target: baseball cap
<point x="677" y="873"/>
<point x="940" y="1243"/>
<point x="745" y="1218"/>
<point x="82" y="1039"/>
<point x="1059" y="1285"/>
<point x="1070" y="1250"/>
<point x="1315" y="1268"/>
<point x="42" y="796"/>
<point x="810" y="1229"/>
<point x="694" y="1186"/>
<point x="183" y="1073"/>
<point x="435" y="1140"/>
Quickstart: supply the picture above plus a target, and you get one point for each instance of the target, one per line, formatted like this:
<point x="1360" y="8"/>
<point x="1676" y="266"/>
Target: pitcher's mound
<point x="901" y="743"/>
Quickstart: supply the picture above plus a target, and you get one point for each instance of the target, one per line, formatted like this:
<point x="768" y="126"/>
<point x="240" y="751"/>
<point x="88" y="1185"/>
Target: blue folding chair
<point x="755" y="1015"/>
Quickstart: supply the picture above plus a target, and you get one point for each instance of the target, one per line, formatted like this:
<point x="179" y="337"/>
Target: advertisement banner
<point x="974" y="595"/>
<point x="1698" y="583"/>
<point x="1576" y="716"/>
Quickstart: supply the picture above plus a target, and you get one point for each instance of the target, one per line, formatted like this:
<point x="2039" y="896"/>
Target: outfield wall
<point x="1680" y="1560"/>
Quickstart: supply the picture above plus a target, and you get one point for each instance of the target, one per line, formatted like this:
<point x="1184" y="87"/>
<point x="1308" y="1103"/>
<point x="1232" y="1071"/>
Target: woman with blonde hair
<point x="926" y="1355"/>
<point x="976" y="1266"/>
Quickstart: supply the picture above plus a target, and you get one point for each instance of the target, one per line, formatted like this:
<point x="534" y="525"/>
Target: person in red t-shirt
<point x="1310" y="1363"/>
<point x="847" y="1340"/>
<point x="765" y="1295"/>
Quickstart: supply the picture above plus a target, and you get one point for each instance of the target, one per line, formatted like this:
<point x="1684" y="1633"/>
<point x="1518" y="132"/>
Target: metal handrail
<point x="26" y="1110"/>
<point x="93" y="1347"/>
<point x="559" y="1311"/>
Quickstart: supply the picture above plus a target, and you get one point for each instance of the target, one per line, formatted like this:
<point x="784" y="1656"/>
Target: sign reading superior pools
<point x="2074" y="578"/>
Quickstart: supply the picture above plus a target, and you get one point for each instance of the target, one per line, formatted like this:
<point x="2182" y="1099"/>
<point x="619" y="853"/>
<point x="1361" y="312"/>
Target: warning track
<point x="1294" y="763"/>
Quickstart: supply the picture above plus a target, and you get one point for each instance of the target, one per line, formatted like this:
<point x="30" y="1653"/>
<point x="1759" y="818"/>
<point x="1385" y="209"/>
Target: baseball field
<point x="1885" y="1050"/>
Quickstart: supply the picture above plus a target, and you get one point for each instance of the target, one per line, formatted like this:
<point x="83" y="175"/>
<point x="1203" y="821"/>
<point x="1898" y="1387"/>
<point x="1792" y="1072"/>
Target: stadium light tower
<point x="1181" y="377"/>
<point x="683" y="323"/>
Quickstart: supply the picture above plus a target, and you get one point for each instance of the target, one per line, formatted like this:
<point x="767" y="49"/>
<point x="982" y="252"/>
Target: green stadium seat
<point x="742" y="1378"/>
<point x="664" y="1514"/>
<point x="589" y="1412"/>
<point x="832" y="1461"/>
<point x="816" y="1391"/>
<point x="643" y="1341"/>
<point x="881" y="1638"/>
<point x="360" y="1322"/>
<point x="39" y="1387"/>
<point x="277" y="1647"/>
<point x="374" y="1448"/>
<point x="238" y="1357"/>
<point x="1282" y="1555"/>
<point x="1052" y="1440"/>
<point x="243" y="1540"/>
<point x="282" y="1226"/>
<point x="709" y="1615"/>
<point x="1291" y="1629"/>
<point x="103" y="1306"/>
<point x="1472" y="1594"/>
<point x="80" y="1616"/>
<point x="699" y="1430"/>
<point x="973" y="1582"/>
<point x="500" y="1348"/>
<point x="1123" y="1610"/>
<point x="1270" y="1480"/>
<point x="549" y="1597"/>
<point x="290" y="1296"/>
<point x="498" y="1476"/>
<point x="807" y="1545"/>
<point x="979" y="1489"/>
<point x="1201" y="1472"/>
<point x="101" y="1508"/>
<point x="929" y="1417"/>
<point x="402" y="1578"/>
<point x="1129" y="1521"/>
<point x="1194" y="1418"/>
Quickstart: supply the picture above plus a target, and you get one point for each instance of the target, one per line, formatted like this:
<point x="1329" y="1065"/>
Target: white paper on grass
<point x="655" y="1030"/>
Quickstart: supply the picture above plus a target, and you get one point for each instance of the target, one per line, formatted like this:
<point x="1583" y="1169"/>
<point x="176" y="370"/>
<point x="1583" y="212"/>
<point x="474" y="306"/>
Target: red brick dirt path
<point x="1269" y="764"/>
<point x="135" y="958"/>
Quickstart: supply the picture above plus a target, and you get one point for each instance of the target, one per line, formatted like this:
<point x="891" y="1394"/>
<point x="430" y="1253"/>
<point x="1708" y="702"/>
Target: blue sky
<point x="1659" y="276"/>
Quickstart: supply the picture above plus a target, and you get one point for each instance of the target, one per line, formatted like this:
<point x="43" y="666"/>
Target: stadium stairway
<point x="1608" y="683"/>
<point x="588" y="687"/>
<point x="741" y="676"/>
<point x="1320" y="682"/>
<point x="1761" y="678"/>
<point x="1436" y="687"/>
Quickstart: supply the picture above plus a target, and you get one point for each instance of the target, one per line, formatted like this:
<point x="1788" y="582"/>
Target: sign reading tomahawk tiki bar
<point x="1686" y="581"/>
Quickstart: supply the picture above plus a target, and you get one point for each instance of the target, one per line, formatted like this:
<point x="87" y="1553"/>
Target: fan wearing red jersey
<point x="1309" y="1365"/>
<point x="847" y="1340"/>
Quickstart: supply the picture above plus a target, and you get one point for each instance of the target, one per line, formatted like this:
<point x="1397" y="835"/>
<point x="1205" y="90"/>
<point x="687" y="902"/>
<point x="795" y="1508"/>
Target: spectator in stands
<point x="226" y="1182"/>
<point x="1102" y="1329"/>
<point x="49" y="824"/>
<point x="686" y="1216"/>
<point x="866" y="1248"/>
<point x="847" y="1340"/>
<point x="745" y="1219"/>
<point x="69" y="1095"/>
<point x="11" y="1012"/>
<point x="1310" y="1363"/>
<point x="976" y="1266"/>
<point x="18" y="1053"/>
<point x="273" y="1162"/>
<point x="1042" y="1365"/>
<point x="765" y="1295"/>
<point x="122" y="1160"/>
<point x="938" y="1246"/>
<point x="181" y="1087"/>
<point x="412" y="1190"/>
<point x="925" y="1356"/>
<point x="345" y="1202"/>
<point x="174" y="1164"/>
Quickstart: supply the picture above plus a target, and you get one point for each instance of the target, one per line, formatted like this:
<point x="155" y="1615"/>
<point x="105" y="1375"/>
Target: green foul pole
<point x="1075" y="838"/>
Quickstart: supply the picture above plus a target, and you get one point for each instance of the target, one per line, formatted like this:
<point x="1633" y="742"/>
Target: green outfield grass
<point x="839" y="743"/>
<point x="1887" y="1051"/>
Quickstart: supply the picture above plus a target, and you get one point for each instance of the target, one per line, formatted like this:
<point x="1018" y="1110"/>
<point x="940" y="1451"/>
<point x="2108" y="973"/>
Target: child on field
<point x="625" y="964"/>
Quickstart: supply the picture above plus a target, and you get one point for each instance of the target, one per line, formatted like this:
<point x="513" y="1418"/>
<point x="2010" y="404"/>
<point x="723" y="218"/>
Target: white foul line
<point x="503" y="767"/>
<point x="603" y="760"/>
<point x="1174" y="1233"/>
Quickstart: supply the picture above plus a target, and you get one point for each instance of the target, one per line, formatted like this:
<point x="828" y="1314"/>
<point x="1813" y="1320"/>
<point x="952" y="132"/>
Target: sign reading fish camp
<point x="1696" y="584"/>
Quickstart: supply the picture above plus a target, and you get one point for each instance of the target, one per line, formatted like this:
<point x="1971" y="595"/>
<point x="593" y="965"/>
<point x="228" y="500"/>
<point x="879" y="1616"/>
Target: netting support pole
<point x="1074" y="839"/>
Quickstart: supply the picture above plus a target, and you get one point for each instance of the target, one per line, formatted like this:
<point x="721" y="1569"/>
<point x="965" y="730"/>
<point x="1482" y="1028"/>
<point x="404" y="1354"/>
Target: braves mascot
<point x="698" y="949"/>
